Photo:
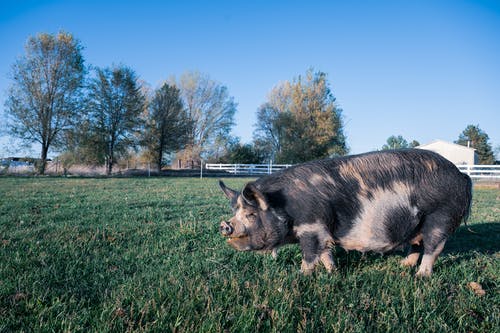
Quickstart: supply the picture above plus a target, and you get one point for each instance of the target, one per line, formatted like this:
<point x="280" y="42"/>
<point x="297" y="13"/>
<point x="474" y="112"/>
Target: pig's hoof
<point x="307" y="268"/>
<point x="408" y="262"/>
<point x="327" y="260"/>
<point x="331" y="270"/>
<point x="423" y="273"/>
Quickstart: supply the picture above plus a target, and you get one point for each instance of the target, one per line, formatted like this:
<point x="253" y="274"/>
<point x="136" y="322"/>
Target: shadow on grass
<point x="482" y="238"/>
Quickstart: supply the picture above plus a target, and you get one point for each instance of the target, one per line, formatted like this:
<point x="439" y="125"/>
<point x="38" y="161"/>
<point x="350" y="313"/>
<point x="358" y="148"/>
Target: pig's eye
<point x="251" y="216"/>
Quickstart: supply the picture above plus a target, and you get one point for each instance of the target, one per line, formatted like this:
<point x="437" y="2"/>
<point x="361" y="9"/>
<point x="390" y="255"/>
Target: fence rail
<point x="247" y="169"/>
<point x="474" y="171"/>
<point x="481" y="171"/>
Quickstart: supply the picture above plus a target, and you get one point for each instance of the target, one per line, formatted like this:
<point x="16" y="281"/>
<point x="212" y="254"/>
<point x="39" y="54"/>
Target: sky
<point x="421" y="69"/>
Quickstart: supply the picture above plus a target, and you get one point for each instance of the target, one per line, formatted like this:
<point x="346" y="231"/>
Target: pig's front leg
<point x="316" y="247"/>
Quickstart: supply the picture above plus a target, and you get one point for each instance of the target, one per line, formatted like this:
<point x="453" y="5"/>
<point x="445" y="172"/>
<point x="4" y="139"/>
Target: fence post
<point x="201" y="169"/>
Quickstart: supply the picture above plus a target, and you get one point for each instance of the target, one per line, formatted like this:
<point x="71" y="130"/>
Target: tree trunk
<point x="43" y="157"/>
<point x="110" y="157"/>
<point x="110" y="165"/>
<point x="160" y="154"/>
<point x="160" y="158"/>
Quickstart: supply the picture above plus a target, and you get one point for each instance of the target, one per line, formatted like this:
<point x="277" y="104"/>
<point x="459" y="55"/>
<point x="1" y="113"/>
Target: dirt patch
<point x="492" y="184"/>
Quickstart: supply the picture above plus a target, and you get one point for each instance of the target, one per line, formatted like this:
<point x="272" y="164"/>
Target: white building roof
<point x="457" y="154"/>
<point x="444" y="143"/>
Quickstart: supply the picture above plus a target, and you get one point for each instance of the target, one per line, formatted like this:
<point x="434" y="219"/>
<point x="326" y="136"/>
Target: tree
<point x="477" y="139"/>
<point x="168" y="125"/>
<point x="395" y="142"/>
<point x="43" y="100"/>
<point x="116" y="103"/>
<point x="300" y="121"/>
<point x="243" y="153"/>
<point x="398" y="142"/>
<point x="211" y="110"/>
<point x="270" y="134"/>
<point x="236" y="152"/>
<point x="414" y="144"/>
<point x="83" y="145"/>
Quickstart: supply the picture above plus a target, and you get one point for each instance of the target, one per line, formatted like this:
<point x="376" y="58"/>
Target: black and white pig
<point x="370" y="202"/>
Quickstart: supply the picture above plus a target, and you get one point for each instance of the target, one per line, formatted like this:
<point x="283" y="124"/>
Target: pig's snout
<point x="225" y="228"/>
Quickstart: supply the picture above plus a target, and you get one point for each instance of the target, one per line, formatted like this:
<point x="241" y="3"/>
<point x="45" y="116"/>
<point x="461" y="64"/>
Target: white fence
<point x="474" y="171"/>
<point x="481" y="171"/>
<point x="247" y="169"/>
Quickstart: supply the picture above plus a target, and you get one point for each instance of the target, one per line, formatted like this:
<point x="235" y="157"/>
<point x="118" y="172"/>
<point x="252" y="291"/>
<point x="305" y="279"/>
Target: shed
<point x="457" y="154"/>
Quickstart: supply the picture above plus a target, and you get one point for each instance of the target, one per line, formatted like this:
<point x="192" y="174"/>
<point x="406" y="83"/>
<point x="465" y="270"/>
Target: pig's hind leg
<point x="435" y="232"/>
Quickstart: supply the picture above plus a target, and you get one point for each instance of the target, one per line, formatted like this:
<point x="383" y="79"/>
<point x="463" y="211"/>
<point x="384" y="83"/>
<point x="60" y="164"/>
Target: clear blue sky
<point x="422" y="69"/>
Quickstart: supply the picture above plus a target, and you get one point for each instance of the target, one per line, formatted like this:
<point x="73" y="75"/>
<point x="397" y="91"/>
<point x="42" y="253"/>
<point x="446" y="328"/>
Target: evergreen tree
<point x="168" y="125"/>
<point x="395" y="142"/>
<point x="116" y="103"/>
<point x="476" y="138"/>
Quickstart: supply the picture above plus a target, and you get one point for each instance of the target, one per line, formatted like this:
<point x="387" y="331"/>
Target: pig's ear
<point x="231" y="194"/>
<point x="254" y="197"/>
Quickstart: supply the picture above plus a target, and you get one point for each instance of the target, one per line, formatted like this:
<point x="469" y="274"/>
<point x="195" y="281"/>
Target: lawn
<point x="144" y="254"/>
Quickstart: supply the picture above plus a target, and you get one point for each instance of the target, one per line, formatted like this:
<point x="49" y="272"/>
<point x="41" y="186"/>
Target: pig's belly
<point x="366" y="236"/>
<point x="364" y="244"/>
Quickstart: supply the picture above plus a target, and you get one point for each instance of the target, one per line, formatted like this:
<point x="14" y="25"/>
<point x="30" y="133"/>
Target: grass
<point x="99" y="255"/>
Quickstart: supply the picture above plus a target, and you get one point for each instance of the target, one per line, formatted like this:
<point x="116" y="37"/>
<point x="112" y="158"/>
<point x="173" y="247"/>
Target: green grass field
<point x="98" y="255"/>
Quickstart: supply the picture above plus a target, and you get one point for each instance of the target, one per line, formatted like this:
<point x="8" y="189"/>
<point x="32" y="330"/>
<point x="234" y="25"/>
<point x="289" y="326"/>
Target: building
<point x="457" y="154"/>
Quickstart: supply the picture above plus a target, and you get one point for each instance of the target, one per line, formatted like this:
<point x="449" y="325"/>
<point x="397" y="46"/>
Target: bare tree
<point x="42" y="101"/>
<point x="210" y="109"/>
<point x="270" y="132"/>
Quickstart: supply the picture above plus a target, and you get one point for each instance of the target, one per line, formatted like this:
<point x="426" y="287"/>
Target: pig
<point x="377" y="201"/>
